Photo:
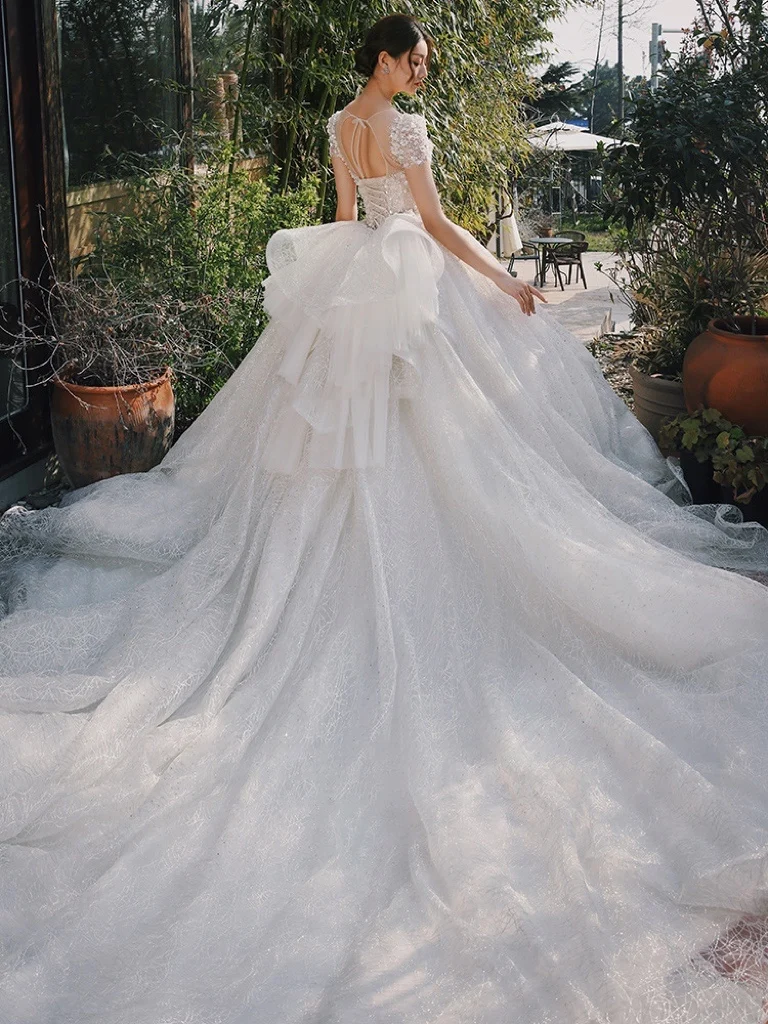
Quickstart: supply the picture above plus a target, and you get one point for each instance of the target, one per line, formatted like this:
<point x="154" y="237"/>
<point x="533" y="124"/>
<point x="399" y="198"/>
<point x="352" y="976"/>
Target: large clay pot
<point x="102" y="432"/>
<point x="656" y="398"/>
<point x="729" y="372"/>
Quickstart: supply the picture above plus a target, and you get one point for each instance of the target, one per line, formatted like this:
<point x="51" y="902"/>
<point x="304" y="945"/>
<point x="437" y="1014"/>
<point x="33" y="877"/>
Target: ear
<point x="384" y="62"/>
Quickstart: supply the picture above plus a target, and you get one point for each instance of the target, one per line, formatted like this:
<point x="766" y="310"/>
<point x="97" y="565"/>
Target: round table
<point x="542" y="244"/>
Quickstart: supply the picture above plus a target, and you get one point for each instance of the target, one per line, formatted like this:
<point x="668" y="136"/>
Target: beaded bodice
<point x="403" y="142"/>
<point x="384" y="196"/>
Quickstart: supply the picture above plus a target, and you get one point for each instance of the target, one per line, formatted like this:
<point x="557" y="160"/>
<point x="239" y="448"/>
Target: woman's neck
<point x="373" y="96"/>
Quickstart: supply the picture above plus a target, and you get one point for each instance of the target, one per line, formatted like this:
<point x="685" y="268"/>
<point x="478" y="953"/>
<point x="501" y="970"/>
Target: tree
<point x="557" y="97"/>
<point x="599" y="91"/>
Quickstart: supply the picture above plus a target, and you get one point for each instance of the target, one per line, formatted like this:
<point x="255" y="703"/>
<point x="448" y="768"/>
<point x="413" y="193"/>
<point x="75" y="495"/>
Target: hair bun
<point x="365" y="60"/>
<point x="396" y="35"/>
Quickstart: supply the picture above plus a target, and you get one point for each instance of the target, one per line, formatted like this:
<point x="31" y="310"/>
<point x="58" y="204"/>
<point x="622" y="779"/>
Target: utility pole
<point x="596" y="69"/>
<point x="655" y="55"/>
<point x="657" y="50"/>
<point x="620" y="63"/>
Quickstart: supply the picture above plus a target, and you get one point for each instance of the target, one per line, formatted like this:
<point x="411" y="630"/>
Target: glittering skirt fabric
<point x="475" y="732"/>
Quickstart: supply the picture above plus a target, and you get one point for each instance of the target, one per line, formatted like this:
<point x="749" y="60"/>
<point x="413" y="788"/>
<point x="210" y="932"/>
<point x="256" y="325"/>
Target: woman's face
<point x="407" y="73"/>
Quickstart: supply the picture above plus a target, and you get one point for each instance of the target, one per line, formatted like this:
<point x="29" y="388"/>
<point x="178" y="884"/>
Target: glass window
<point x="13" y="375"/>
<point x="118" y="69"/>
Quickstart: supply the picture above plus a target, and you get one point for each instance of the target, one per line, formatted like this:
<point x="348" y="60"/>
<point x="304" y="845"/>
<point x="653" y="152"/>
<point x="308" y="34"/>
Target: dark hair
<point x="396" y="34"/>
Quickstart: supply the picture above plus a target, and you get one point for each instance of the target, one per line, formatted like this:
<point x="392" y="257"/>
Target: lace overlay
<point x="409" y="140"/>
<point x="408" y="143"/>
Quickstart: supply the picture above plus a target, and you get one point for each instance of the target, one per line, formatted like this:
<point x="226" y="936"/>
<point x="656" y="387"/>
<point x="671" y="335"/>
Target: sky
<point x="576" y="35"/>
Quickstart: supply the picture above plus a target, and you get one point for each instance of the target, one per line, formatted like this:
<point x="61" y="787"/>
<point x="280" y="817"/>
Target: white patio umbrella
<point x="568" y="138"/>
<point x="510" y="235"/>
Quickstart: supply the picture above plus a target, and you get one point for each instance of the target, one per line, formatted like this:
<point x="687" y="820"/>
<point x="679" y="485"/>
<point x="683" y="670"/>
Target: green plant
<point x="742" y="465"/>
<point x="738" y="461"/>
<point x="697" y="432"/>
<point x="202" y="240"/>
<point x="691" y="192"/>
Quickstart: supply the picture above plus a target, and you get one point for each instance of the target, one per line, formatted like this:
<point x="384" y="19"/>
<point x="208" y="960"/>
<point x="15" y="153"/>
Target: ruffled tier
<point x="356" y="305"/>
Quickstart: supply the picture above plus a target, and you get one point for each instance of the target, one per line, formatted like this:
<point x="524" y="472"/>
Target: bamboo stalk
<point x="325" y="148"/>
<point x="291" y="142"/>
<point x="238" y="102"/>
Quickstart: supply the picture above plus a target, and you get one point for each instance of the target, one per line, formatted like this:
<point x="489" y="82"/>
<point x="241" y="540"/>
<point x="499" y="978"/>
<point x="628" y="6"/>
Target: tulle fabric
<point x="351" y="301"/>
<point x="473" y="736"/>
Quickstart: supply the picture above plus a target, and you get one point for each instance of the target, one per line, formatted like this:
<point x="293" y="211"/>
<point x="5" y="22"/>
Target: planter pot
<point x="755" y="511"/>
<point x="698" y="475"/>
<point x="729" y="372"/>
<point x="102" y="432"/>
<point x="656" y="398"/>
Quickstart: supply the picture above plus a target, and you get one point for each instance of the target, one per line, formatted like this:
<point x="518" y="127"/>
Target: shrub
<point x="201" y="239"/>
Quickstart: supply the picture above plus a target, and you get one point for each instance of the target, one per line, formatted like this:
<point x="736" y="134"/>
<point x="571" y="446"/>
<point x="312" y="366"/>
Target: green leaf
<point x="690" y="437"/>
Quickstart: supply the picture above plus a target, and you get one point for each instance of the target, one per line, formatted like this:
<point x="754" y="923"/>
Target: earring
<point x="385" y="69"/>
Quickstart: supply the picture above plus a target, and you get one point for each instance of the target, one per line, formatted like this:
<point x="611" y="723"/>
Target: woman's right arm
<point x="346" y="191"/>
<point x="459" y="241"/>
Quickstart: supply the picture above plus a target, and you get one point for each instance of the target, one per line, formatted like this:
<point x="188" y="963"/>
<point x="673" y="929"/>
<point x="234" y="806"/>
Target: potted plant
<point x="109" y="355"/>
<point x="692" y="437"/>
<point x="720" y="460"/>
<point x="654" y="274"/>
<point x="741" y="468"/>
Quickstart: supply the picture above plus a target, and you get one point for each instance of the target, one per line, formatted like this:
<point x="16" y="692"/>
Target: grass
<point x="592" y="225"/>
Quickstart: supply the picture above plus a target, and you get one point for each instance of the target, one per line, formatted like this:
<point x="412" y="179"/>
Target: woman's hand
<point x="519" y="290"/>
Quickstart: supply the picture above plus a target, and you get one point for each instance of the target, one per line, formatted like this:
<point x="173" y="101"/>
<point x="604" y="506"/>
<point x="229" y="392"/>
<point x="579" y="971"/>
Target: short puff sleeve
<point x="409" y="141"/>
<point x="330" y="127"/>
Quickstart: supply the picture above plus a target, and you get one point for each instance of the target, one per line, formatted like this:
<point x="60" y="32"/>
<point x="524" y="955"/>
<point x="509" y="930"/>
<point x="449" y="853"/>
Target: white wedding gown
<point x="408" y="689"/>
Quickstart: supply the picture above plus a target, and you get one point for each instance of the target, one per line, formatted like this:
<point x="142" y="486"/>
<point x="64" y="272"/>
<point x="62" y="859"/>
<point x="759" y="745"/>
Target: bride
<point x="410" y="688"/>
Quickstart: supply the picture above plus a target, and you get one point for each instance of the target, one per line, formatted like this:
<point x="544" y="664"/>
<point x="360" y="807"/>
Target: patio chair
<point x="569" y="255"/>
<point x="577" y="236"/>
<point x="527" y="253"/>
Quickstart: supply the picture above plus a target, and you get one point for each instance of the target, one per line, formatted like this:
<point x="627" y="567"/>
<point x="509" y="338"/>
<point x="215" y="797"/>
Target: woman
<point x="410" y="687"/>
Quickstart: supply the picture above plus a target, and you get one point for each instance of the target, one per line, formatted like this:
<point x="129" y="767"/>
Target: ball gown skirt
<point x="410" y="688"/>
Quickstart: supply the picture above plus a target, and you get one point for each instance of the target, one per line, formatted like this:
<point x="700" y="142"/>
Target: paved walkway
<point x="581" y="310"/>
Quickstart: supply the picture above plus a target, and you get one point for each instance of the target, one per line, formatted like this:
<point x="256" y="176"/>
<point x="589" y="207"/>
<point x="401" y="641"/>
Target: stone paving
<point x="583" y="311"/>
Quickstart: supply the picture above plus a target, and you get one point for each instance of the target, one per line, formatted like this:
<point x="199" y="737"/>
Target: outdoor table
<point x="542" y="244"/>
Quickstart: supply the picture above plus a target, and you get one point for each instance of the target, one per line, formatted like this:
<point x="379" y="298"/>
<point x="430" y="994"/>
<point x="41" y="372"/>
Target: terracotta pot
<point x="656" y="398"/>
<point x="729" y="372"/>
<point x="117" y="429"/>
<point x="546" y="232"/>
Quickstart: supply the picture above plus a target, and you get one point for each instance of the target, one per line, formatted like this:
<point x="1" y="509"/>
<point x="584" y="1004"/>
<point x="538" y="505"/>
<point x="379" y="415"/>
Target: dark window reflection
<point x="118" y="68"/>
<point x="13" y="376"/>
